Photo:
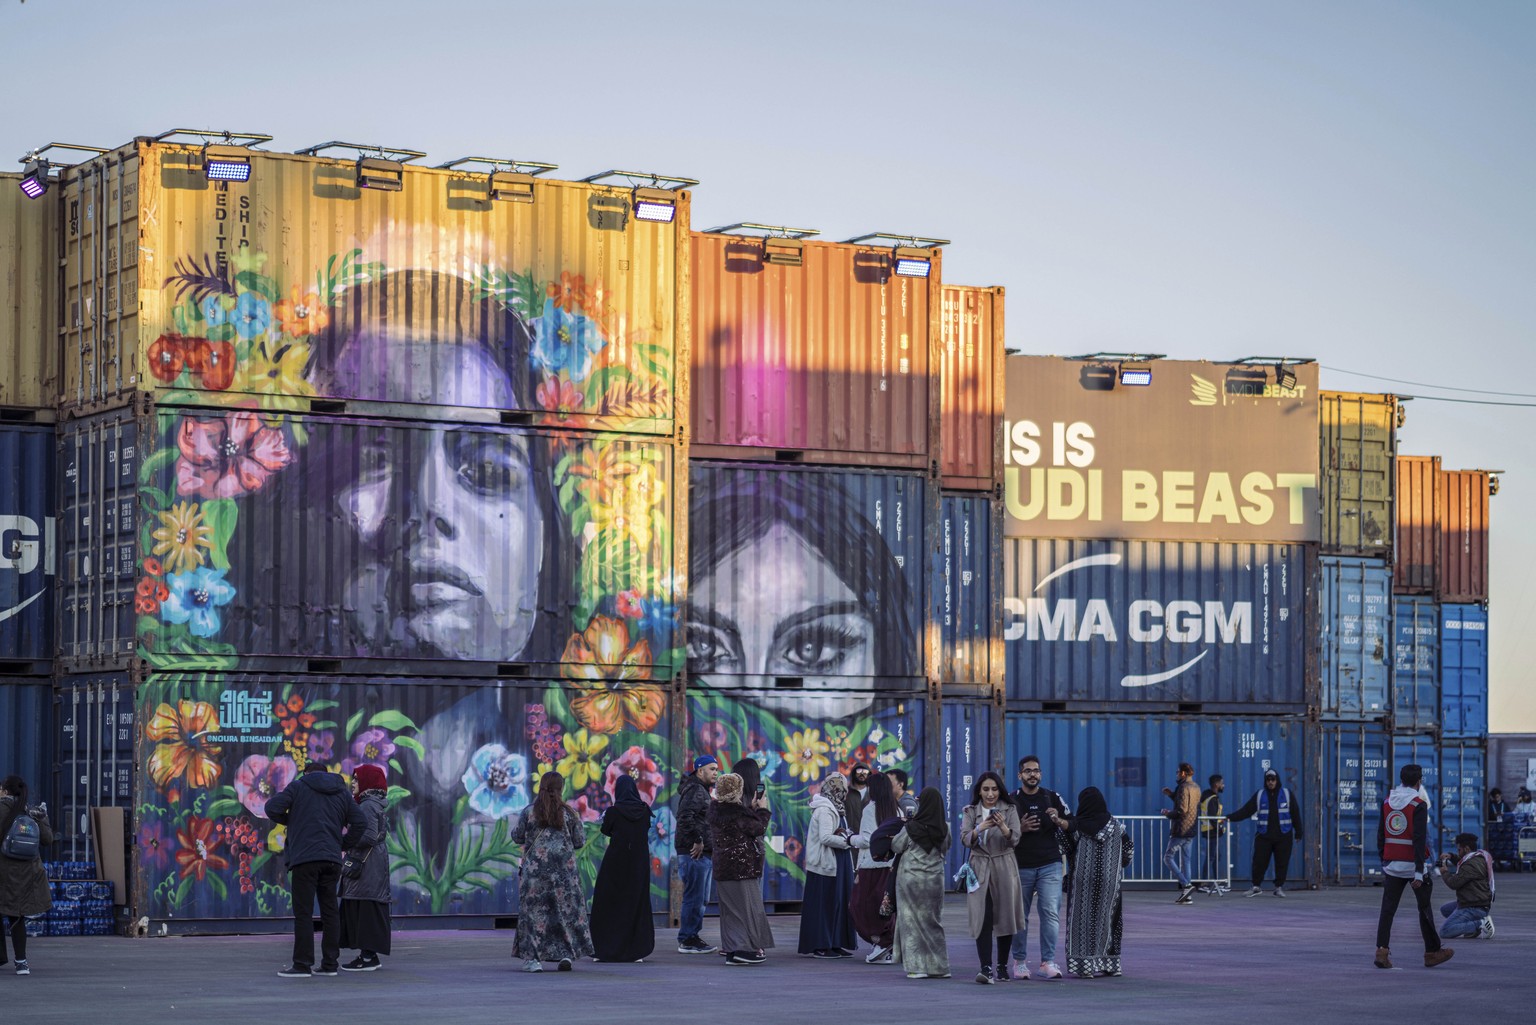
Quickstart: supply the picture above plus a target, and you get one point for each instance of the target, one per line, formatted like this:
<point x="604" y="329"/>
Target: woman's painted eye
<point x="489" y="464"/>
<point x="820" y="647"/>
<point x="707" y="649"/>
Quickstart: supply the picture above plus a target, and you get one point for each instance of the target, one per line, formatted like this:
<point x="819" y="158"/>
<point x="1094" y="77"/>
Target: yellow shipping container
<point x="1359" y="443"/>
<point x="29" y="328"/>
<point x="300" y="290"/>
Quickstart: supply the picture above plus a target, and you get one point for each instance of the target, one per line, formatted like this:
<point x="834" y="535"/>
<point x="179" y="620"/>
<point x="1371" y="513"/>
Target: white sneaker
<point x="876" y="954"/>
<point x="532" y="966"/>
<point x="1279" y="891"/>
<point x="1486" y="929"/>
<point x="889" y="957"/>
<point x="1049" y="970"/>
<point x="1253" y="892"/>
<point x="1021" y="971"/>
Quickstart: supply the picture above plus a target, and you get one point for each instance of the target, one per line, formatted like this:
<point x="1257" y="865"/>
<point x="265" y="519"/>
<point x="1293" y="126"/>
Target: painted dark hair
<point x="736" y="506"/>
<point x="548" y="809"/>
<point x="1002" y="790"/>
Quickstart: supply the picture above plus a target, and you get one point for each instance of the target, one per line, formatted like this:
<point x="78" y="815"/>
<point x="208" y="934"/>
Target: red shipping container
<point x="1417" y="547"/>
<point x="1463" y="571"/>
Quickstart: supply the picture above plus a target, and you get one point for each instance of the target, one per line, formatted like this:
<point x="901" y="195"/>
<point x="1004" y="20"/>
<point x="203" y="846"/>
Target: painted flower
<point x="152" y="566"/>
<point x="599" y="471"/>
<point x="806" y="754"/>
<point x="549" y="744"/>
<point x="558" y="395"/>
<point x="662" y="834"/>
<point x="768" y="762"/>
<point x="586" y="808"/>
<point x="712" y="736"/>
<point x="302" y="316"/>
<point x="195" y="599"/>
<point x="259" y="778"/>
<point x="629" y="604"/>
<point x="277" y="840"/>
<point x="321" y="746"/>
<point x="862" y="754"/>
<point x="537" y="719"/>
<point x="153" y="849"/>
<point x="216" y="309"/>
<point x="659" y="620"/>
<point x="839" y="740"/>
<point x="602" y="660"/>
<point x="228" y="457"/>
<point x="213" y="362"/>
<point x="198" y="844"/>
<point x="569" y="293"/>
<point x="178" y="732"/>
<point x="280" y="376"/>
<point x="793" y="849"/>
<point x="180" y="534"/>
<point x="891" y="759"/>
<point x="373" y="746"/>
<point x="149" y="595"/>
<point x="565" y="342"/>
<point x="497" y="781"/>
<point x="579" y="763"/>
<point x="168" y="356"/>
<point x="637" y="763"/>
<point x="630" y="398"/>
<point x="253" y="315"/>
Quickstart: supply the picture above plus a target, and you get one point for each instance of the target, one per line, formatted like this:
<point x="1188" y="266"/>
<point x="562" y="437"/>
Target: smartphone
<point x="762" y="788"/>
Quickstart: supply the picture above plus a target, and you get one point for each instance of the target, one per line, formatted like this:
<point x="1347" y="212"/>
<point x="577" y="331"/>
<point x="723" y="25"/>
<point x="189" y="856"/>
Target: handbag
<point x="888" y="895"/>
<point x="352" y="867"/>
<point x="966" y="877"/>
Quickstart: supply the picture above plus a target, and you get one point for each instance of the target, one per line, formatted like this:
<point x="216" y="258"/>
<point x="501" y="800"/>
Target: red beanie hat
<point x="369" y="777"/>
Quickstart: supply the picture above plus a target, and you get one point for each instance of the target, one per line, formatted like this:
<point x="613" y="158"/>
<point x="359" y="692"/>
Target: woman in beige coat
<point x="989" y="829"/>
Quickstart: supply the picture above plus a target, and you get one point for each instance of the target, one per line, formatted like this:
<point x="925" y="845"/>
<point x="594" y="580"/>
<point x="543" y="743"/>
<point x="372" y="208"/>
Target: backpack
<point x="24" y="838"/>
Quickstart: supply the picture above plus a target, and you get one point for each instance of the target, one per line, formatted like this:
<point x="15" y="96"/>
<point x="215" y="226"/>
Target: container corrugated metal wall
<point x="26" y="733"/>
<point x="189" y="535"/>
<point x="1423" y="750"/>
<point x="1415" y="664"/>
<point x="1355" y="625"/>
<point x="804" y="577"/>
<point x="1359" y="441"/>
<point x="797" y="739"/>
<point x="1357" y="775"/>
<point x="1464" y="527"/>
<point x="970" y="378"/>
<point x="962" y="589"/>
<point x="1171" y="622"/>
<point x="833" y="356"/>
<point x="240" y="292"/>
<point x="1463" y="791"/>
<point x="28" y="555"/>
<point x="1416" y="550"/>
<point x="1464" y="671"/>
<point x="29" y="301"/>
<point x="965" y="752"/>
<point x="1130" y="758"/>
<point x="96" y="727"/>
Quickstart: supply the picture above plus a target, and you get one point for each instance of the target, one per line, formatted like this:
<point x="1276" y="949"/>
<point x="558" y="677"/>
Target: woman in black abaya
<point x="622" y="928"/>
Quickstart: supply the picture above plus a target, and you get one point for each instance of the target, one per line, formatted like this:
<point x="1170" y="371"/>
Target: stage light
<point x="381" y="174"/>
<point x="511" y="187"/>
<point x="655" y="205"/>
<point x="226" y="163"/>
<point x="1135" y="375"/>
<point x="1285" y="377"/>
<point x="34" y="180"/>
<point x="912" y="263"/>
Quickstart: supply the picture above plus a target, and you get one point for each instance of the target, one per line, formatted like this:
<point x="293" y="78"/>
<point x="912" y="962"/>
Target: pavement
<point x="1303" y="960"/>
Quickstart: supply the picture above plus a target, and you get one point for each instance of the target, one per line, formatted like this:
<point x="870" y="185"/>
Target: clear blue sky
<point x="1347" y="181"/>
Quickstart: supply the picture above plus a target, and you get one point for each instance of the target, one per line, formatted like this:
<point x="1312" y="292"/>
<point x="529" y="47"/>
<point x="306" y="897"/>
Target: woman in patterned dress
<point x="1100" y="849"/>
<point x="551" y="909"/>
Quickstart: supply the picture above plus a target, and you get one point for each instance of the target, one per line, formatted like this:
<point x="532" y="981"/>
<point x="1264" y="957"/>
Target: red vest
<point x="1399" y="830"/>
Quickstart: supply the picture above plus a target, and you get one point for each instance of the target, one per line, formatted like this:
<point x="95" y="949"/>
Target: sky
<point x="1346" y="181"/>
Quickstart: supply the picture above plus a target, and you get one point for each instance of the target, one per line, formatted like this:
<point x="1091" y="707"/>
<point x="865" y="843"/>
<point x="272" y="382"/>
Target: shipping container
<point x="1464" y="671"/>
<point x="1463" y="791"/>
<point x="971" y="383"/>
<point x="211" y="540"/>
<point x="298" y="287"/>
<point x="1130" y="758"/>
<point x="1464" y="527"/>
<point x="830" y="356"/>
<point x="1355" y="626"/>
<point x="1423" y="750"/>
<point x="1359" y="443"/>
<point x="96" y="714"/>
<point x="966" y="587"/>
<point x="1512" y="763"/>
<point x="797" y="739"/>
<point x="1416" y="550"/>
<point x="967" y="746"/>
<point x="806" y="578"/>
<point x="29" y="300"/>
<point x="28" y="554"/>
<point x="1415" y="664"/>
<point x="26" y="733"/>
<point x="1171" y="623"/>
<point x="96" y="724"/>
<point x="463" y="760"/>
<point x="1355" y="760"/>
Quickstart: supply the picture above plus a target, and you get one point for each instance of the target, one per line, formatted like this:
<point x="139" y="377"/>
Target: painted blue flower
<point x="213" y="310"/>
<point x="253" y="315"/>
<point x="195" y="598"/>
<point x="659" y="621"/>
<point x="768" y="762"/>
<point x="497" y="782"/>
<point x="661" y="836"/>
<point x="565" y="342"/>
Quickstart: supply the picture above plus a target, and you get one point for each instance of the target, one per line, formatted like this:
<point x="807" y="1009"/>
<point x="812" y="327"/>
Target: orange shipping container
<point x="971" y="382"/>
<point x="1463" y="572"/>
<point x="29" y="328"/>
<point x="1417" y="546"/>
<point x="828" y="356"/>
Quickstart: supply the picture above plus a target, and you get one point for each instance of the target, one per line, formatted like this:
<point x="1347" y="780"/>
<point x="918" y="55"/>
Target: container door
<point x="1463" y="783"/>
<point x="1416" y="664"/>
<point x="962" y="589"/>
<point x="1356" y="767"/>
<point x="1464" y="670"/>
<point x="1354" y="621"/>
<point x="965" y="753"/>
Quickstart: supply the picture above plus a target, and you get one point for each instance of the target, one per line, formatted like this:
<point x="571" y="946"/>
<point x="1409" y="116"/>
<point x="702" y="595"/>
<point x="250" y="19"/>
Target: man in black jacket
<point x="316" y="808"/>
<point x="1279" y="820"/>
<point x="695" y="867"/>
<point x="1040" y="868"/>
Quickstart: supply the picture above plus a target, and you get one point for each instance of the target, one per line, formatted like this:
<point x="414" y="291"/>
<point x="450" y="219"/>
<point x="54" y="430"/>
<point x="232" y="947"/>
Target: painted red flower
<point x="229" y="457"/>
<point x="559" y="396"/>
<point x="168" y="356"/>
<point x="635" y="762"/>
<point x="198" y="844"/>
<point x="629" y="604"/>
<point x="213" y="362"/>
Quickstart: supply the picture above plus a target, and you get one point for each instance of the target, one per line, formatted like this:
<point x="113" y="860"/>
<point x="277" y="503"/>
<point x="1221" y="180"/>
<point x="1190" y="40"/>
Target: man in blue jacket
<point x="316" y="808"/>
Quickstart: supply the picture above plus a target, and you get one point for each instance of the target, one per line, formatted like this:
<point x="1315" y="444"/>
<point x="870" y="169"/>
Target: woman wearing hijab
<point x="990" y="830"/>
<point x="871" y="877"/>
<point x="622" y="927"/>
<point x="920" y="848"/>
<point x="736" y="834"/>
<point x="365" y="899"/>
<point x="551" y="909"/>
<point x="1099" y="849"/>
<point x="826" y="927"/>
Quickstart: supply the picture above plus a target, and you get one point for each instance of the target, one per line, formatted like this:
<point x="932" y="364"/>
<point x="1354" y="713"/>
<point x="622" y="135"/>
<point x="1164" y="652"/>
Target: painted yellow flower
<point x="277" y="839"/>
<point x="580" y="764"/>
<point x="278" y="379"/>
<point x="180" y="534"/>
<point x="806" y="754"/>
<point x="181" y="750"/>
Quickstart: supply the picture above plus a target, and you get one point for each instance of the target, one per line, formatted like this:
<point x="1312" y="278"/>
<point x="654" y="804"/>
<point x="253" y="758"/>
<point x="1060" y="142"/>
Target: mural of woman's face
<point x="772" y="608"/>
<point x="461" y="505"/>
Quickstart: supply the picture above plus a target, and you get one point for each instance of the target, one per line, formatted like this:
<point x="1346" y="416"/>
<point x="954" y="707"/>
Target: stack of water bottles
<point x="82" y="904"/>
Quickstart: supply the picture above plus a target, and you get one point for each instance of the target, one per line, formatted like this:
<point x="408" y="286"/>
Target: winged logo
<point x="1205" y="391"/>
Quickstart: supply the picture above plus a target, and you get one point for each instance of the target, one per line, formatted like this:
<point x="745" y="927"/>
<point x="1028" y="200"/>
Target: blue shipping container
<point x="1130" y="758"/>
<point x="1464" y="671"/>
<point x="1463" y="786"/>
<point x="27" y="549"/>
<point x="962" y="589"/>
<point x="1354" y="620"/>
<point x="965" y="752"/>
<point x="1415" y="664"/>
<point x="1422" y="750"/>
<point x="1147" y="621"/>
<point x="95" y="714"/>
<point x="1356" y="763"/>
<point x="26" y="734"/>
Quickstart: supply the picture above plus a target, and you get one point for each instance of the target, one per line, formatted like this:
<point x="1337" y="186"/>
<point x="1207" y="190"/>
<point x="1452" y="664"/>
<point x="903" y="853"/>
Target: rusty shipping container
<point x="1359" y="443"/>
<point x="1416" y="550"/>
<point x="971" y="388"/>
<point x="1464" y="526"/>
<point x="829" y="359"/>
<point x="223" y="539"/>
<point x="29" y="300"/>
<point x="298" y="290"/>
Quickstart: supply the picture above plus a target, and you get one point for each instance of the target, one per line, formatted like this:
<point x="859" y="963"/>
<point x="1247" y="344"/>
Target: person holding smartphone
<point x="990" y="830"/>
<point x="736" y="833"/>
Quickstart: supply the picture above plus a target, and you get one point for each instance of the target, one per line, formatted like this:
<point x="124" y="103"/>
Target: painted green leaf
<point x="221" y="515"/>
<point x="323" y="724"/>
<point x="218" y="886"/>
<point x="391" y="719"/>
<point x="412" y="745"/>
<point x="354" y="722"/>
<point x="320" y="705"/>
<point x="157" y="459"/>
<point x="224" y="807"/>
